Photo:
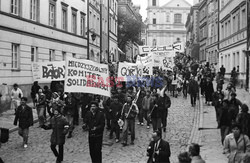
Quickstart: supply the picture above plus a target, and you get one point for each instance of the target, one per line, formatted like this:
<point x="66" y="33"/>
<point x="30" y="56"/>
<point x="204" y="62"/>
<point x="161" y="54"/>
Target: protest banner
<point x="48" y="71"/>
<point x="87" y="76"/>
<point x="176" y="47"/>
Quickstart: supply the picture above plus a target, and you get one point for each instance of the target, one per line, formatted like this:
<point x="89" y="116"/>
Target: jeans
<point x="59" y="153"/>
<point x="128" y="124"/>
<point x="24" y="133"/>
<point x="156" y="123"/>
<point x="115" y="128"/>
<point x="144" y="114"/>
<point x="193" y="98"/>
<point x="164" y="116"/>
<point x="95" y="149"/>
<point x="40" y="113"/>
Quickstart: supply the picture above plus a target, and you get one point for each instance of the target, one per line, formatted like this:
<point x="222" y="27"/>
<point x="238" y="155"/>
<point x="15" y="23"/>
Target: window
<point x="74" y="18"/>
<point x="177" y="18"/>
<point x="143" y="41"/>
<point x="16" y="7"/>
<point x="52" y="14"/>
<point x="34" y="54"/>
<point x="234" y="24"/>
<point x="154" y="2"/>
<point x="15" y="56"/>
<point x="168" y="18"/>
<point x="222" y="31"/>
<point x="73" y="55"/>
<point x="34" y="9"/>
<point x="154" y="42"/>
<point x="244" y="18"/>
<point x="63" y="55"/>
<point x="82" y="24"/>
<point x="51" y="55"/>
<point x="64" y="18"/>
<point x="154" y="21"/>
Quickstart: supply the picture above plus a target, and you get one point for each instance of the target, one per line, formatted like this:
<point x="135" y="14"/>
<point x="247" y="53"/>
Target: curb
<point x="201" y="112"/>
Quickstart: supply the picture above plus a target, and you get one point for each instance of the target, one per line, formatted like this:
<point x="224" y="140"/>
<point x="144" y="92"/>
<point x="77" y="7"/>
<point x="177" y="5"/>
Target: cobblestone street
<point x="76" y="150"/>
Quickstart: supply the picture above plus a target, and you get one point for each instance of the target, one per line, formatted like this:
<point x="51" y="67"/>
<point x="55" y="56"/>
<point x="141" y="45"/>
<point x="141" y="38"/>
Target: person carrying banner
<point x="129" y="112"/>
<point x="24" y="116"/>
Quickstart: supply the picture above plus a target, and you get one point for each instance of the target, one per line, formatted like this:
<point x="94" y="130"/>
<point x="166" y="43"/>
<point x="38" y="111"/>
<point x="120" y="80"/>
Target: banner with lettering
<point x="48" y="71"/>
<point x="87" y="76"/>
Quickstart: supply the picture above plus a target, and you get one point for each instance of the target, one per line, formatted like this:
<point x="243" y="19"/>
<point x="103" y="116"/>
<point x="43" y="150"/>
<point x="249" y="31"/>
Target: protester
<point x="158" y="150"/>
<point x="217" y="99"/>
<point x="234" y="105"/>
<point x="116" y="108"/>
<point x="34" y="90"/>
<point x="59" y="126"/>
<point x="156" y="112"/>
<point x="222" y="70"/>
<point x="48" y="95"/>
<point x="243" y="119"/>
<point x="40" y="106"/>
<point x="237" y="145"/>
<point x="209" y="90"/>
<point x="129" y="112"/>
<point x="166" y="104"/>
<point x="96" y="121"/>
<point x="184" y="158"/>
<point x="146" y="102"/>
<point x="193" y="90"/>
<point x="139" y="105"/>
<point x="24" y="118"/>
<point x="194" y="152"/>
<point x="69" y="111"/>
<point x="16" y="95"/>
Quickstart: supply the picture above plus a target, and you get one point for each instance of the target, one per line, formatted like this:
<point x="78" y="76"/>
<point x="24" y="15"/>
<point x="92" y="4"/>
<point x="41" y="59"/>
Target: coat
<point x="193" y="87"/>
<point x="57" y="124"/>
<point x="97" y="121"/>
<point x="24" y="116"/>
<point x="164" y="152"/>
<point x="235" y="150"/>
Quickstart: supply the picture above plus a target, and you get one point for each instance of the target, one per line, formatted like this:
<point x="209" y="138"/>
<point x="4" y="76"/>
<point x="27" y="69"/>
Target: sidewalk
<point x="210" y="139"/>
<point x="7" y="119"/>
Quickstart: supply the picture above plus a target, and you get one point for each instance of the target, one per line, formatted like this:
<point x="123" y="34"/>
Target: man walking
<point x="158" y="150"/>
<point x="95" y="121"/>
<point x="24" y="116"/>
<point x="129" y="112"/>
<point x="146" y="108"/>
<point x="193" y="90"/>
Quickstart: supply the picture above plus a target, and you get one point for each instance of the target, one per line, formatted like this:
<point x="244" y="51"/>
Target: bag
<point x="4" y="135"/>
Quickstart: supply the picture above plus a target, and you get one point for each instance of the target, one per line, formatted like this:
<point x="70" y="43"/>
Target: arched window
<point x="177" y="18"/>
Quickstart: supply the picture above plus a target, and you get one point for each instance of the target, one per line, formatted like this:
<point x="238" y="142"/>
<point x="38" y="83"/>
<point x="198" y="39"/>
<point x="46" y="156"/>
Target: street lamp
<point x="93" y="37"/>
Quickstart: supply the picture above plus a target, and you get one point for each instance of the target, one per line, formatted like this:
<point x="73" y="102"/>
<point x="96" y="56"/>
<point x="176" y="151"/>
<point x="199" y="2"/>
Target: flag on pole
<point x="137" y="96"/>
<point x="162" y="91"/>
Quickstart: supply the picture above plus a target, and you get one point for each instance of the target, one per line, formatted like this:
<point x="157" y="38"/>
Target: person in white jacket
<point x="16" y="95"/>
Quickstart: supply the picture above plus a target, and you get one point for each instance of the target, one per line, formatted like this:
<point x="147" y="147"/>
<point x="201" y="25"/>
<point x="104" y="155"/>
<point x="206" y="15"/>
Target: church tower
<point x="152" y="3"/>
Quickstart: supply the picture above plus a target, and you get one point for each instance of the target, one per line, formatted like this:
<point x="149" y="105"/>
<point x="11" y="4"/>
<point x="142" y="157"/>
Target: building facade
<point x="38" y="31"/>
<point x="113" y="22"/>
<point x="192" y="26"/>
<point x="233" y="37"/>
<point x="166" y="24"/>
<point x="203" y="32"/>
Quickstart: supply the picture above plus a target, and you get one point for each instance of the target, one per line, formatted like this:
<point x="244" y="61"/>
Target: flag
<point x="161" y="93"/>
<point x="137" y="96"/>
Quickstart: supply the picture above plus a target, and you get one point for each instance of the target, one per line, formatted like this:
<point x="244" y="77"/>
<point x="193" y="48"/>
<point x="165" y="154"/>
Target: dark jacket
<point x="193" y="87"/>
<point x="34" y="90"/>
<point x="116" y="109"/>
<point x="97" y="121"/>
<point x="125" y="110"/>
<point x="164" y="152"/>
<point x="225" y="117"/>
<point x="70" y="106"/>
<point x="24" y="116"/>
<point x="41" y="100"/>
<point x="156" y="111"/>
<point x="57" y="124"/>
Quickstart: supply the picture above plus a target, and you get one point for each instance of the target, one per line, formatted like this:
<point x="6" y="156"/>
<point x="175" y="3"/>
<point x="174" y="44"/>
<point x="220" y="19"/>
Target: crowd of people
<point x="59" y="111"/>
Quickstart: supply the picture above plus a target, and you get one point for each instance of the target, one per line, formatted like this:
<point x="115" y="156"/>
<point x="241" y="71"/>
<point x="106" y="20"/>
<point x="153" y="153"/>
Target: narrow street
<point x="76" y="150"/>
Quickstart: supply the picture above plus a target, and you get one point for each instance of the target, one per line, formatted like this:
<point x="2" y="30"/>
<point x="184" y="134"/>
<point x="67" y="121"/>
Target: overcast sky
<point x="144" y="3"/>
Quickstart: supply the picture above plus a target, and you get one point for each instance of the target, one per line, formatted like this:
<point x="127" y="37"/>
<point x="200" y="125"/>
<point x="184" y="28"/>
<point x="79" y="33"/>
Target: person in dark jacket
<point x="194" y="152"/>
<point x="166" y="104"/>
<point x="96" y="121"/>
<point x="24" y="116"/>
<point x="69" y="111"/>
<point x="158" y="150"/>
<point x="48" y="94"/>
<point x="156" y="110"/>
<point x="209" y="90"/>
<point x="59" y="126"/>
<point x="116" y="108"/>
<point x="218" y="97"/>
<point x="193" y="90"/>
<point x="225" y="120"/>
<point x="139" y="104"/>
<point x="34" y="90"/>
<point x="234" y="105"/>
<point x="203" y="85"/>
<point x="243" y="119"/>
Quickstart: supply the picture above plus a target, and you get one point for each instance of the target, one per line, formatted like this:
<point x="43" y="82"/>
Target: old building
<point x="38" y="31"/>
<point x="166" y="24"/>
<point x="233" y="37"/>
<point x="192" y="26"/>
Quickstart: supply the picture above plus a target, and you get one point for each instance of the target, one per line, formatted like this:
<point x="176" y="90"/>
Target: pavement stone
<point x="76" y="150"/>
